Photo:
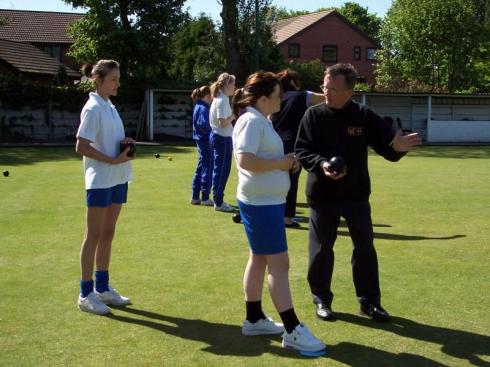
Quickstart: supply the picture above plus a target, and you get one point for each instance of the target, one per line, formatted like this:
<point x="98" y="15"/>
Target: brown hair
<point x="347" y="70"/>
<point x="100" y="69"/>
<point x="223" y="80"/>
<point x="287" y="76"/>
<point x="201" y="92"/>
<point x="237" y="96"/>
<point x="258" y="85"/>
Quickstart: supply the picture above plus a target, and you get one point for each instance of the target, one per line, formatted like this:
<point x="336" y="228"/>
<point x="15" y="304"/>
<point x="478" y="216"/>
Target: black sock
<point x="254" y="311"/>
<point x="289" y="319"/>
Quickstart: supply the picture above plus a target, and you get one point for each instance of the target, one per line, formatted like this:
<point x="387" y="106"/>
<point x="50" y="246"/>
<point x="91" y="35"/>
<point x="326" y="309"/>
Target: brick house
<point x="328" y="37"/>
<point x="24" y="32"/>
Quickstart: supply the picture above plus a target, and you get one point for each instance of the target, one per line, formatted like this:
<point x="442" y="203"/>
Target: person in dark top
<point x="286" y="122"/>
<point x="342" y="127"/>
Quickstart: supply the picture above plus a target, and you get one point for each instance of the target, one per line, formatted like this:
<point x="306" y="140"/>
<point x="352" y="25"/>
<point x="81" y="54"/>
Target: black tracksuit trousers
<point x="324" y="221"/>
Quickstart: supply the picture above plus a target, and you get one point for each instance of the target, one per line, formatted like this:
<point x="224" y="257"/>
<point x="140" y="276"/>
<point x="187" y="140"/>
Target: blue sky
<point x="210" y="7"/>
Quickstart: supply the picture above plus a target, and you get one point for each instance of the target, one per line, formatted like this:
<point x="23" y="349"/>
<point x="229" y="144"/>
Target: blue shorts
<point x="104" y="197"/>
<point x="265" y="229"/>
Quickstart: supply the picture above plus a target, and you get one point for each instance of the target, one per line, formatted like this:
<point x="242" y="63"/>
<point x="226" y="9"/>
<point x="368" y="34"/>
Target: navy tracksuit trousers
<point x="222" y="147"/>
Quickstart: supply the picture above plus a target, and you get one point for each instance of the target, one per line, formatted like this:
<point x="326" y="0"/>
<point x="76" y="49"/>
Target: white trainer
<point x="262" y="327"/>
<point x="195" y="202"/>
<point x="208" y="202"/>
<point x="224" y="207"/>
<point x="92" y="304"/>
<point x="112" y="297"/>
<point x="302" y="340"/>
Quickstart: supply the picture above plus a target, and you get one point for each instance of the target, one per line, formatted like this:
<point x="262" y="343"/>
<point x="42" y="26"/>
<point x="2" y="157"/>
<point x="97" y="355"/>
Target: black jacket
<point x="347" y="132"/>
<point x="286" y="121"/>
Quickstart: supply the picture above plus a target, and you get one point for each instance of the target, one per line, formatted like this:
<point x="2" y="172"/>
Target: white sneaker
<point x="262" y="327"/>
<point x="224" y="207"/>
<point x="195" y="202"/>
<point x="112" y="297"/>
<point x="208" y="202"/>
<point x="302" y="340"/>
<point x="92" y="304"/>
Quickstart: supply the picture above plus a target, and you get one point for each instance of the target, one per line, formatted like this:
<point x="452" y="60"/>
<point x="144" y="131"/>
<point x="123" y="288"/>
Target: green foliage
<point x="17" y="94"/>
<point x="61" y="77"/>
<point x="136" y="33"/>
<point x="282" y="13"/>
<point x="311" y="73"/>
<point x="270" y="57"/>
<point x="429" y="43"/>
<point x="360" y="16"/>
<point x="3" y="21"/>
<point x="197" y="52"/>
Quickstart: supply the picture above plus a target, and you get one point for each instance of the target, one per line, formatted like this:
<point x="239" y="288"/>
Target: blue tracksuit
<point x="200" y="133"/>
<point x="223" y="150"/>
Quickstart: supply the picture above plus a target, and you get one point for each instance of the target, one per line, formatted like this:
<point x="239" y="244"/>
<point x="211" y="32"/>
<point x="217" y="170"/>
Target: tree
<point x="229" y="15"/>
<point x="360" y="16"/>
<point x="136" y="33"/>
<point x="269" y="55"/>
<point x="240" y="37"/>
<point x="430" y="44"/>
<point x="197" y="51"/>
<point x="281" y="13"/>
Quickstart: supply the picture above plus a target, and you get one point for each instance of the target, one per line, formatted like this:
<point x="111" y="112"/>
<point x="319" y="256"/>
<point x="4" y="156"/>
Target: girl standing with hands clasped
<point x="221" y="118"/>
<point x="107" y="172"/>
<point x="263" y="183"/>
<point x="200" y="133"/>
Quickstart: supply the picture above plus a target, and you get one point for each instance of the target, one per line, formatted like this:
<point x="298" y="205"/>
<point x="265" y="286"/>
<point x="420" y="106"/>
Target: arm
<point x="224" y="113"/>
<point x="305" y="145"/>
<point x="382" y="139"/>
<point x="250" y="162"/>
<point x="83" y="148"/>
<point x="316" y="98"/>
<point x="224" y="122"/>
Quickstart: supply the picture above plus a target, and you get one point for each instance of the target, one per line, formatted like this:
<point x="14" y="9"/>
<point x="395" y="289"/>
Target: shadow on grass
<point x="303" y="219"/>
<point x="357" y="355"/>
<point x="18" y="156"/>
<point x="402" y="237"/>
<point x="222" y="339"/>
<point x="226" y="340"/>
<point x="455" y="343"/>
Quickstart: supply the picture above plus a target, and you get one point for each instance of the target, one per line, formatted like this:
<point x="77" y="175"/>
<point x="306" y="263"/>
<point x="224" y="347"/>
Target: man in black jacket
<point x="342" y="127"/>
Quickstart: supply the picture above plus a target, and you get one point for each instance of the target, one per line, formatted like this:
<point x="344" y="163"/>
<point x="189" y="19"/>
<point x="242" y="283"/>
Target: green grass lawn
<point x="182" y="266"/>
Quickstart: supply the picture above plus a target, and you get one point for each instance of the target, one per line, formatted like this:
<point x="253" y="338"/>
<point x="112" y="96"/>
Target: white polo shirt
<point x="255" y="134"/>
<point x="101" y="124"/>
<point x="220" y="109"/>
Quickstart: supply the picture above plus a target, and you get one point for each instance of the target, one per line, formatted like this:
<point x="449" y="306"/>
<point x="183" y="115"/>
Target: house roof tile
<point x="37" y="26"/>
<point x="29" y="59"/>
<point x="287" y="28"/>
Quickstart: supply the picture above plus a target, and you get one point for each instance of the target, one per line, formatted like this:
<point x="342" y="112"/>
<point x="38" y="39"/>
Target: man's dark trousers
<point x="324" y="221"/>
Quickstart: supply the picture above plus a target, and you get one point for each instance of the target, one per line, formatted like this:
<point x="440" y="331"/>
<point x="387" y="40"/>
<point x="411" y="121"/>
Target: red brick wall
<point x="332" y="30"/>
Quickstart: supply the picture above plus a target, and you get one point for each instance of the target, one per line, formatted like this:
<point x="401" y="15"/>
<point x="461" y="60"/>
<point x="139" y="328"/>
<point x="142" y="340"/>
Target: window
<point x="357" y="53"/>
<point x="293" y="50"/>
<point x="53" y="51"/>
<point x="370" y="54"/>
<point x="329" y="53"/>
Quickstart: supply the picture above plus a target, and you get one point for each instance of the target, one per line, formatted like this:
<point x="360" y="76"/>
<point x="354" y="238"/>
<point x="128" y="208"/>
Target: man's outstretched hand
<point x="405" y="143"/>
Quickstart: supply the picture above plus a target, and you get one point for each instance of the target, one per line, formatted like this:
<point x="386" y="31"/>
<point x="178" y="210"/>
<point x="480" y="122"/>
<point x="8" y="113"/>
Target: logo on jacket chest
<point x="355" y="131"/>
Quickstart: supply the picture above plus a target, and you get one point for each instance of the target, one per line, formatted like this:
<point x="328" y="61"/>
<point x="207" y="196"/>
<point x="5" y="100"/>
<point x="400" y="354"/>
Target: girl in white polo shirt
<point x="221" y="118"/>
<point x="107" y="172"/>
<point x="263" y="183"/>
